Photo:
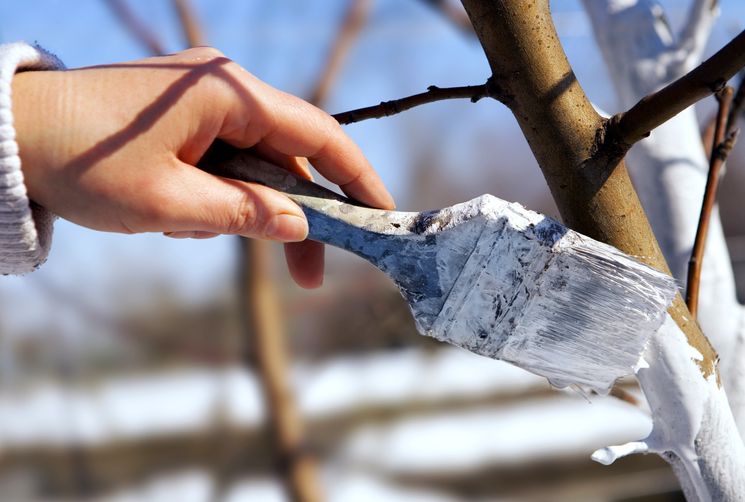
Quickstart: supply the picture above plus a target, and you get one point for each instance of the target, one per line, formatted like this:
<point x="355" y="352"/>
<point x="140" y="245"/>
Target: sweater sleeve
<point x="25" y="227"/>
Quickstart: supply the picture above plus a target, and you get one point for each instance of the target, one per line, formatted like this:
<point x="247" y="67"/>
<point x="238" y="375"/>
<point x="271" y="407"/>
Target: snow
<point x="196" y="486"/>
<point x="386" y="378"/>
<point x="183" y="400"/>
<point x="462" y="441"/>
<point x="186" y="486"/>
<point x="180" y="401"/>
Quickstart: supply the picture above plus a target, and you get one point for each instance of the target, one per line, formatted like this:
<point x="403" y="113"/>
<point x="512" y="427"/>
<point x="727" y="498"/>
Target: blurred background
<point x="145" y="368"/>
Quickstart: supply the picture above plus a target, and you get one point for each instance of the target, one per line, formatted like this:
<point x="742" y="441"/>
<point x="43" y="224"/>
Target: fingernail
<point x="287" y="228"/>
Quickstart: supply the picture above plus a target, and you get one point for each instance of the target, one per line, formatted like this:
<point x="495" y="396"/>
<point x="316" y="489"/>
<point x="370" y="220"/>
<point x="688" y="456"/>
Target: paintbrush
<point x="491" y="276"/>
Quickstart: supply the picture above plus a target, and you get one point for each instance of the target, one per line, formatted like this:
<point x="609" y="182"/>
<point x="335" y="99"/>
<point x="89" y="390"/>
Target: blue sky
<point x="404" y="48"/>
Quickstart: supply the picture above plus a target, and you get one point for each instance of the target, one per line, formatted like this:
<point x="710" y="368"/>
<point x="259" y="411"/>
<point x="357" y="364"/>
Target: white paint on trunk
<point x="693" y="428"/>
<point x="610" y="454"/>
<point x="693" y="425"/>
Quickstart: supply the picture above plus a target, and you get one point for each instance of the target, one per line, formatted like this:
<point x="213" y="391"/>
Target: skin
<point x="118" y="145"/>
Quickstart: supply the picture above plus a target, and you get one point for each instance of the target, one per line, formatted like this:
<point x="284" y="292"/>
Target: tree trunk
<point x="594" y="194"/>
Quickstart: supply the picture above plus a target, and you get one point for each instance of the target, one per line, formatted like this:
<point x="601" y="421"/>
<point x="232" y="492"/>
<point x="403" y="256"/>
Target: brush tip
<point x="550" y="300"/>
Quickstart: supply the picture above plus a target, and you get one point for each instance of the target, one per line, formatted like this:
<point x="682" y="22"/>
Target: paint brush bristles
<point x="550" y="300"/>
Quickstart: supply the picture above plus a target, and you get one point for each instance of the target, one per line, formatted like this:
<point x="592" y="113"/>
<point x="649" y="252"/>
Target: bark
<point x="595" y="196"/>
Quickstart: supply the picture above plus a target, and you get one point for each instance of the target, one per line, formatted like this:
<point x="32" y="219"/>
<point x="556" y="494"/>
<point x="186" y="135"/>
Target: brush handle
<point x="332" y="218"/>
<point x="410" y="248"/>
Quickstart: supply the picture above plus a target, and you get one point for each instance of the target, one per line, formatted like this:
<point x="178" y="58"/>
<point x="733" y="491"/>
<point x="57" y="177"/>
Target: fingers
<point x="188" y="202"/>
<point x="292" y="127"/>
<point x="305" y="263"/>
<point x="206" y="205"/>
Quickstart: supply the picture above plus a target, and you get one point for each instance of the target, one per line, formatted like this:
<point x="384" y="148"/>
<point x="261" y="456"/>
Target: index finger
<point x="291" y="126"/>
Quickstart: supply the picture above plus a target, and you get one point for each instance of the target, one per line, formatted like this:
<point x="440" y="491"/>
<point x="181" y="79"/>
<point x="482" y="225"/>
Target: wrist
<point x="27" y="228"/>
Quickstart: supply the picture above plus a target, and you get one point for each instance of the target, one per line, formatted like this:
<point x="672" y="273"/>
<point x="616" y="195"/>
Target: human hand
<point x="114" y="148"/>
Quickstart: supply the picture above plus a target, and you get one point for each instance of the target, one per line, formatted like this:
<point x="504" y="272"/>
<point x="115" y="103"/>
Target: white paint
<point x="682" y="408"/>
<point x="668" y="353"/>
<point x="693" y="426"/>
<point x="546" y="298"/>
<point x="610" y="454"/>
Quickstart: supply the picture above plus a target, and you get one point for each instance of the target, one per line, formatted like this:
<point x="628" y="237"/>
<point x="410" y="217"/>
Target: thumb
<point x="199" y="201"/>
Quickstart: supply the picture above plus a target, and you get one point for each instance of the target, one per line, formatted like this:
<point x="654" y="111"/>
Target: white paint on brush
<point x="545" y="298"/>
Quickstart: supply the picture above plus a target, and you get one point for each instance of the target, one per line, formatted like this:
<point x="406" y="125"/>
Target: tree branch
<point x="141" y="32"/>
<point x="349" y="31"/>
<point x="190" y="25"/>
<point x="456" y="15"/>
<point x="719" y="153"/>
<point x="695" y="33"/>
<point x="656" y="109"/>
<point x="268" y="352"/>
<point x="434" y="93"/>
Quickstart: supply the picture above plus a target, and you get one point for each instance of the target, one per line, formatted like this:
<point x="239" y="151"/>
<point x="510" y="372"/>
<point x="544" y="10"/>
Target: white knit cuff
<point x="25" y="227"/>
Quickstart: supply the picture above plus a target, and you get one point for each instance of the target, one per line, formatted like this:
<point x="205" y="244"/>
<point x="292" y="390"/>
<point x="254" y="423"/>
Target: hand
<point x="114" y="147"/>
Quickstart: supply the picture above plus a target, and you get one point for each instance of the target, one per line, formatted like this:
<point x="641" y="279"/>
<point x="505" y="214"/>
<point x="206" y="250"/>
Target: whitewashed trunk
<point x="669" y="172"/>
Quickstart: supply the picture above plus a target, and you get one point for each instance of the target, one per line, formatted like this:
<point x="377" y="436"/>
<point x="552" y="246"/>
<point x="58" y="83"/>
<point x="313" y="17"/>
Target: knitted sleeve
<point x="25" y="227"/>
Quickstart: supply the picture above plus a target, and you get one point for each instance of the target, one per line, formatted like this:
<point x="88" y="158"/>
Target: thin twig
<point x="718" y="156"/>
<point x="434" y="93"/>
<point x="656" y="109"/>
<point x="454" y="13"/>
<point x="707" y="135"/>
<point x="141" y="32"/>
<point x="189" y="23"/>
<point x="349" y="31"/>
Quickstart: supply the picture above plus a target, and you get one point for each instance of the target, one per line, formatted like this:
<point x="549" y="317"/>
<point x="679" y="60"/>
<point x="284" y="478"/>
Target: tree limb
<point x="262" y="310"/>
<point x="141" y="32"/>
<point x="656" y="109"/>
<point x="433" y="93"/>
<point x="695" y="33"/>
<point x="189" y="23"/>
<point x="719" y="153"/>
<point x="349" y="31"/>
<point x="456" y="15"/>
